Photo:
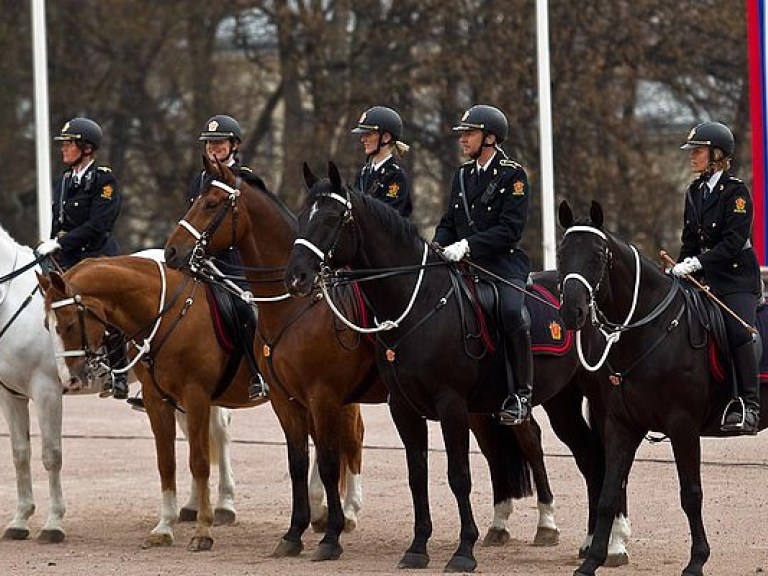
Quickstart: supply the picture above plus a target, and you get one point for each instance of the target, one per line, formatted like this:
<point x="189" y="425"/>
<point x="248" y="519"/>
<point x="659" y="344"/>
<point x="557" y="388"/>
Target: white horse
<point x="28" y="372"/>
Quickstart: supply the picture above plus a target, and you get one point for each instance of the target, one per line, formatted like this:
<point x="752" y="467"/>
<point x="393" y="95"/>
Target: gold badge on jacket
<point x="740" y="205"/>
<point x="106" y="192"/>
<point x="518" y="188"/>
<point x="393" y="190"/>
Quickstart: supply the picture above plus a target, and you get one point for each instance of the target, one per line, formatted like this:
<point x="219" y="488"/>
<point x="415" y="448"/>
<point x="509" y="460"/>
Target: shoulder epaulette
<point x="510" y="163"/>
<point x="104" y="169"/>
<point x="246" y="169"/>
<point x="735" y="179"/>
<point x="468" y="163"/>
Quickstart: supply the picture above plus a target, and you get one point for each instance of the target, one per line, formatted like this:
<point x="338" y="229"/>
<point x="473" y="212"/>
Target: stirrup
<point x="258" y="388"/>
<point x="514" y="411"/>
<point x="738" y="424"/>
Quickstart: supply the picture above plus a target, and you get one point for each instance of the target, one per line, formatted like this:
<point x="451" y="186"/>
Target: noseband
<point x="203" y="238"/>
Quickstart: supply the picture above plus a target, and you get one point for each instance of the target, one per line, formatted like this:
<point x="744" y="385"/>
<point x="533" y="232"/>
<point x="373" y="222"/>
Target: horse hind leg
<point x="48" y="408"/>
<point x="318" y="509"/>
<point x="224" y="513"/>
<point x="199" y="412"/>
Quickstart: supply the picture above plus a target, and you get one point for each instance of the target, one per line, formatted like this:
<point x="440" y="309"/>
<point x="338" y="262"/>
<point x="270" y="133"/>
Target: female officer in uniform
<point x="716" y="244"/>
<point x="380" y="130"/>
<point x="86" y="203"/>
<point x="486" y="215"/>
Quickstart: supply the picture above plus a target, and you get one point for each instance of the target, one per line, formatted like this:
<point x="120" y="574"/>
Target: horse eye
<point x="210" y="204"/>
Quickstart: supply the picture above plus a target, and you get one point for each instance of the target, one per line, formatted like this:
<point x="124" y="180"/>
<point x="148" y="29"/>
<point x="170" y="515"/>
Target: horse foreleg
<point x="16" y="412"/>
<point x="293" y="420"/>
<point x="224" y="513"/>
<point x="621" y="443"/>
<point x="48" y="407"/>
<point x="412" y="429"/>
<point x="687" y="450"/>
<point x="163" y="425"/>
<point x="454" y="424"/>
<point x="198" y="409"/>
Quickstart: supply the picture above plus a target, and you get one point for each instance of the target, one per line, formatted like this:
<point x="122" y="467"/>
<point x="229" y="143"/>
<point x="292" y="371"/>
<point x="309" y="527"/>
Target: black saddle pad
<point x="762" y="328"/>
<point x="548" y="335"/>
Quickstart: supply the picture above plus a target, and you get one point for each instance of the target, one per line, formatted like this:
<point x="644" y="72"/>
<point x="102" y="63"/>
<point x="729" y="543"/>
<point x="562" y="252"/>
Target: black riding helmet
<point x="81" y="130"/>
<point x="222" y="127"/>
<point x="489" y="119"/>
<point x="712" y="134"/>
<point x="380" y="119"/>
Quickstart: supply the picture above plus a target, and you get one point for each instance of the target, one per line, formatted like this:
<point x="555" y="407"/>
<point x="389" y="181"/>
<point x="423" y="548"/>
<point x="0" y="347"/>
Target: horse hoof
<point x="16" y="534"/>
<point x="350" y="524"/>
<point x="461" y="564"/>
<point x="157" y="541"/>
<point x="200" y="544"/>
<point x="412" y="560"/>
<point x="496" y="537"/>
<point x="54" y="536"/>
<point x="615" y="560"/>
<point x="223" y="517"/>
<point x="187" y="515"/>
<point x="327" y="552"/>
<point x="287" y="549"/>
<point x="546" y="537"/>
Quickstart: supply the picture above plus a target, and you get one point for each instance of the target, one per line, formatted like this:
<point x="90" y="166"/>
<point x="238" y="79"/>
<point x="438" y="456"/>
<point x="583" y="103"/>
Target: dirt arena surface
<point x="111" y="488"/>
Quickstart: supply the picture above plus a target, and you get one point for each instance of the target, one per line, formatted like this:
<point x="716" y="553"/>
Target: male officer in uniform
<point x="486" y="215"/>
<point x="382" y="177"/>
<point x="86" y="203"/>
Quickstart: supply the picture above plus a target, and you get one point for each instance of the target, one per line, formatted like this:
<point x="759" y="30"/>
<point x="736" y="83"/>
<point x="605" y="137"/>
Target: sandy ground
<point x="111" y="488"/>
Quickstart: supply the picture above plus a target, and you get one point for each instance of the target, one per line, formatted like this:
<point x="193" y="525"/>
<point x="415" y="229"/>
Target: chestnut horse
<point x="167" y="319"/>
<point x="231" y="212"/>
<point x="28" y="373"/>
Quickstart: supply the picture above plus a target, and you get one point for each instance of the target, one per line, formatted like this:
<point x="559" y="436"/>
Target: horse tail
<point x="509" y="466"/>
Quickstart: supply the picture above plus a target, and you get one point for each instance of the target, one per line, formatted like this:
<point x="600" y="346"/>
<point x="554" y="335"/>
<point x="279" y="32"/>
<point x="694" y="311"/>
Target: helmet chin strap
<point x="379" y="144"/>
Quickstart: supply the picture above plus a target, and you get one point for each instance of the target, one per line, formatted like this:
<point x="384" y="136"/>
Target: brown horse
<point x="230" y="212"/>
<point x="183" y="364"/>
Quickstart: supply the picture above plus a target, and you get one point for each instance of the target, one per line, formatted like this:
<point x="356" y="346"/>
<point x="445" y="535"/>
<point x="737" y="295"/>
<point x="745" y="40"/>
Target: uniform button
<point x="489" y="208"/>
<point x="76" y="203"/>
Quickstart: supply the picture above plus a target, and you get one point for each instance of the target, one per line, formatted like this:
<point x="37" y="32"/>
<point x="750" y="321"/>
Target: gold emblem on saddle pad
<point x="390" y="355"/>
<point x="212" y="125"/>
<point x="741" y="206"/>
<point x="555" y="331"/>
<point x="266" y="351"/>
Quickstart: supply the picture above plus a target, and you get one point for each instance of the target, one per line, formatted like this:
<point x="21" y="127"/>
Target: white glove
<point x="48" y="247"/>
<point x="456" y="251"/>
<point x="687" y="266"/>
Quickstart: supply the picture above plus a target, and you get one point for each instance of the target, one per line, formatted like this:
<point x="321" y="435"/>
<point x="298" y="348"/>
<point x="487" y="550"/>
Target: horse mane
<point x="389" y="218"/>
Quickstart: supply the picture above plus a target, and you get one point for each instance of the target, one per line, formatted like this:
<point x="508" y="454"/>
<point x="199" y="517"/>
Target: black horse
<point x="660" y="366"/>
<point x="424" y="359"/>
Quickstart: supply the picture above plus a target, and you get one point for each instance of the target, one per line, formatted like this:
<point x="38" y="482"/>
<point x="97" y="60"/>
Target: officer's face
<point x="699" y="159"/>
<point x="471" y="142"/>
<point x="218" y="150"/>
<point x="69" y="152"/>
<point x="370" y="141"/>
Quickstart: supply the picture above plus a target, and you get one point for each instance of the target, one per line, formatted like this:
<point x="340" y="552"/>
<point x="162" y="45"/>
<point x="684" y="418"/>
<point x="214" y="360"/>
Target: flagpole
<point x="42" y="124"/>
<point x="545" y="137"/>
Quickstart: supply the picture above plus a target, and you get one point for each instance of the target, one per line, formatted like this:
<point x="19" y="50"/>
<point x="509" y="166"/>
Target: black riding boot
<point x="118" y="359"/>
<point x="743" y="414"/>
<point x="517" y="406"/>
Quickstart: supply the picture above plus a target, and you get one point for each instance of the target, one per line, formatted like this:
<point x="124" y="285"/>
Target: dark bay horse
<point x="659" y="364"/>
<point x="316" y="366"/>
<point x="424" y="359"/>
<point x="165" y="312"/>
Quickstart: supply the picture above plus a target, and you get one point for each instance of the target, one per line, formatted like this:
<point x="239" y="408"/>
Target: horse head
<point x="326" y="235"/>
<point x="213" y="222"/>
<point x="582" y="261"/>
<point x="78" y="328"/>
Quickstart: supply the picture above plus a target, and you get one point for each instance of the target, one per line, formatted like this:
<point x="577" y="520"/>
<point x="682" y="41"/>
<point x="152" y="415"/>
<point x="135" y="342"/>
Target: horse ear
<point x="44" y="282"/>
<point x="596" y="214"/>
<point x="309" y="176"/>
<point x="565" y="215"/>
<point x="333" y="174"/>
<point x="207" y="164"/>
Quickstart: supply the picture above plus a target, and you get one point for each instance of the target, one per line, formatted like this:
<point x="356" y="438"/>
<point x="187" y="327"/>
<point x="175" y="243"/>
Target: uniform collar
<point x="78" y="176"/>
<point x="714" y="179"/>
<point x="376" y="165"/>
<point x="480" y="169"/>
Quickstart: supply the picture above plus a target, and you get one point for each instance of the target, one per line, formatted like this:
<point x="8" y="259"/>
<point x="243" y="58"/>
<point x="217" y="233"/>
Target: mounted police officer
<point x="86" y="203"/>
<point x="222" y="136"/>
<point x="716" y="244"/>
<point x="382" y="177"/>
<point x="485" y="219"/>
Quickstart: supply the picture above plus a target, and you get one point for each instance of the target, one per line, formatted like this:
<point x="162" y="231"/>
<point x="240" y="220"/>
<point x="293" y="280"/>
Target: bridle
<point x="203" y="238"/>
<point x="326" y="272"/>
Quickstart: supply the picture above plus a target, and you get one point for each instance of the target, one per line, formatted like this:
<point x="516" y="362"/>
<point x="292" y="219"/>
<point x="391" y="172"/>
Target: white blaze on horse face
<point x="313" y="211"/>
<point x="58" y="345"/>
